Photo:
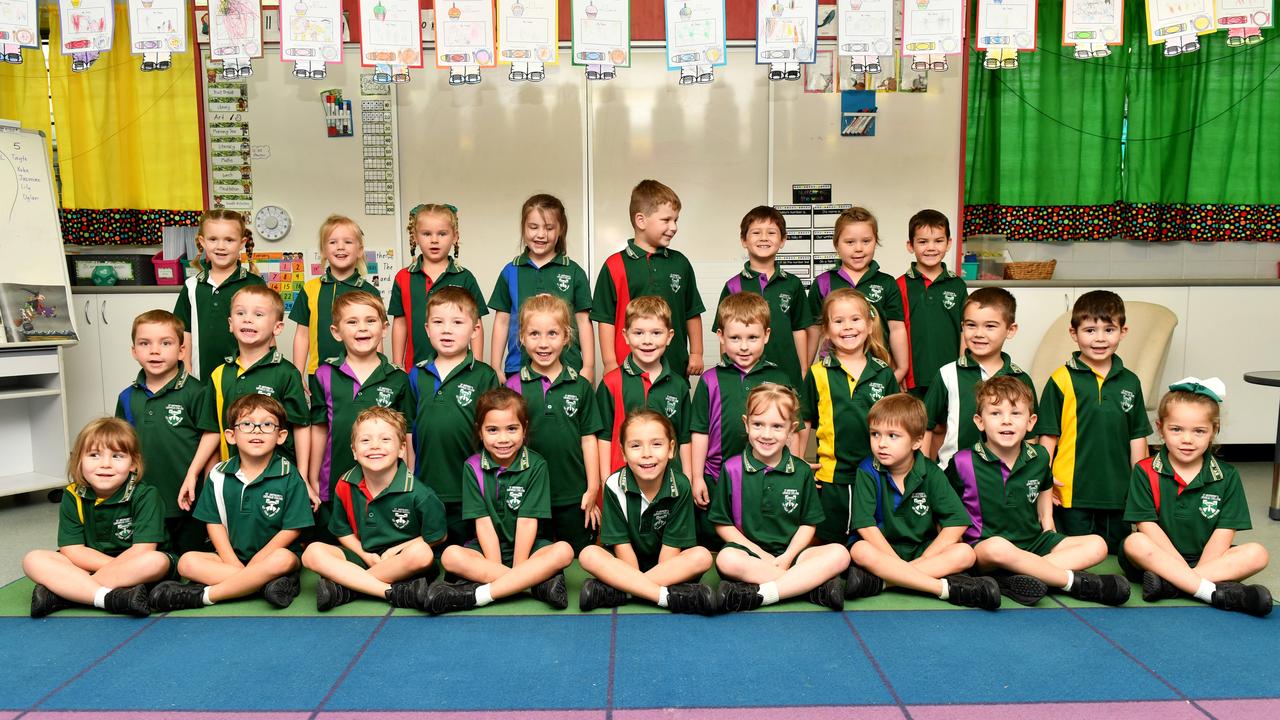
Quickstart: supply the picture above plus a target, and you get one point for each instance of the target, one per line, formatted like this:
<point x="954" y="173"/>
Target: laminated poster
<point x="602" y="32"/>
<point x="528" y="31"/>
<point x="464" y="33"/>
<point x="695" y="33"/>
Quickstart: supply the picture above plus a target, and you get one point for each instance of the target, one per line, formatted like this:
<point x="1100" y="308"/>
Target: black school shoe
<point x="596" y="594"/>
<point x="411" y="594"/>
<point x="1022" y="589"/>
<point x="281" y="591"/>
<point x="330" y="595"/>
<point x="974" y="592"/>
<point x="173" y="595"/>
<point x="1156" y="588"/>
<point x="859" y="583"/>
<point x="1105" y="589"/>
<point x="829" y="594"/>
<point x="443" y="597"/>
<point x="128" y="601"/>
<point x="1252" y="599"/>
<point x="44" y="601"/>
<point x="739" y="596"/>
<point x="552" y="591"/>
<point x="692" y="599"/>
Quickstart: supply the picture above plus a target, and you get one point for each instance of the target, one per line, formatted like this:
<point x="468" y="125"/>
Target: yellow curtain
<point x="126" y="139"/>
<point x="24" y="93"/>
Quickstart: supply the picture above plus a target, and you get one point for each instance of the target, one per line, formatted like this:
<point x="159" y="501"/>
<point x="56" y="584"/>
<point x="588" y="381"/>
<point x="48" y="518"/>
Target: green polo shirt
<point x="272" y="376"/>
<point x="314" y="311"/>
<point x="879" y="287"/>
<point x="720" y="402"/>
<point x="337" y="397"/>
<point x="133" y="514"/>
<point x="767" y="504"/>
<point x="169" y="423"/>
<point x="504" y="495"/>
<point x="626" y="388"/>
<point x="255" y="510"/>
<point x="1188" y="512"/>
<point x="561" y="412"/>
<point x="632" y="272"/>
<point x="835" y="404"/>
<point x="1001" y="500"/>
<point x="205" y="309"/>
<point x="648" y="524"/>
<point x="409" y="296"/>
<point x="933" y="312"/>
<point x="520" y="280"/>
<point x="1094" y="418"/>
<point x="910" y="518"/>
<point x="788" y="312"/>
<point x="444" y="421"/>
<point x="404" y="510"/>
<point x="951" y="399"/>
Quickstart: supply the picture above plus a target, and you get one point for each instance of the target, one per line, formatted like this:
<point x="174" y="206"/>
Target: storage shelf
<point x="29" y="393"/>
<point x="29" y="482"/>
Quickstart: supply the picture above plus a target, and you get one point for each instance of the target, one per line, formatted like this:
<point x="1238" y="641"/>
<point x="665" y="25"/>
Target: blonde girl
<point x="342" y="247"/>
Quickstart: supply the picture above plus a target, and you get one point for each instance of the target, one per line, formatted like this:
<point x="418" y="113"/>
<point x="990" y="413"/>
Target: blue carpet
<point x="39" y="655"/>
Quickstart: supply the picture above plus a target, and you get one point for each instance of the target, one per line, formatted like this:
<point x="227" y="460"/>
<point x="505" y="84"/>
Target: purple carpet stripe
<point x="354" y="660"/>
<point x="1261" y="709"/>
<point x="467" y="715"/>
<point x="902" y="707"/>
<point x="1157" y="710"/>
<point x="8" y="714"/>
<point x="66" y="683"/>
<point x="817" y="712"/>
<point x="613" y="663"/>
<point x="165" y="715"/>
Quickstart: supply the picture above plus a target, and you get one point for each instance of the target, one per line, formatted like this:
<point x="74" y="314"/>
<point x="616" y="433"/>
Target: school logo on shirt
<point x="1126" y="400"/>
<point x="174" y="416"/>
<point x="515" y="495"/>
<point x="784" y="302"/>
<point x="570" y="405"/>
<point x="672" y="404"/>
<point x="1209" y="505"/>
<point x="266" y="390"/>
<point x="948" y="299"/>
<point x="385" y="396"/>
<point x="920" y="504"/>
<point x="465" y="393"/>
<point x="1033" y="489"/>
<point x="877" y="391"/>
<point x="123" y="528"/>
<point x="660" y="518"/>
<point x="271" y="503"/>
<point x="790" y="500"/>
<point x="562" y="282"/>
<point x="400" y="517"/>
<point x="875" y="293"/>
<point x="675" y="282"/>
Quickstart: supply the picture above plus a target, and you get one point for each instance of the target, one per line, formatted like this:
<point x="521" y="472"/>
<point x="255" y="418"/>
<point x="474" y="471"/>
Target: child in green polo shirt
<point x="506" y="491"/>
<point x="1093" y="422"/>
<point x="644" y="379"/>
<point x="342" y="248"/>
<point x="1004" y="484"/>
<point x="542" y="267"/>
<point x="932" y="299"/>
<point x="204" y="305"/>
<point x="720" y="400"/>
<point x="763" y="232"/>
<point x="766" y="510"/>
<point x="989" y="315"/>
<point x="908" y="519"/>
<point x="256" y="507"/>
<point x="857" y="235"/>
<point x="563" y="429"/>
<point x="648" y="521"/>
<point x="445" y="390"/>
<point x="385" y="522"/>
<point x="169" y="410"/>
<point x="1188" y="506"/>
<point x="648" y="266"/>
<point x="109" y="528"/>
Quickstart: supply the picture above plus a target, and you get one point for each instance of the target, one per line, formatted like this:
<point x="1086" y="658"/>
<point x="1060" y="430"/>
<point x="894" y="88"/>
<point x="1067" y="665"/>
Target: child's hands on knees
<point x="371" y="559"/>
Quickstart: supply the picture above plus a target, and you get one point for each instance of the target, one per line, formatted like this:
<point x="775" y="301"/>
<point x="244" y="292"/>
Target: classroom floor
<point x="892" y="656"/>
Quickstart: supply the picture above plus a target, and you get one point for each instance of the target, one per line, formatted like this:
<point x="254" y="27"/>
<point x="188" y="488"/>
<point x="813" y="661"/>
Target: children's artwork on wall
<point x="695" y="38"/>
<point x="464" y="39"/>
<point x="932" y="30"/>
<point x="1244" y="20"/>
<point x="822" y="76"/>
<point x="528" y="37"/>
<point x="235" y="35"/>
<point x="19" y="28"/>
<point x="910" y="80"/>
<point x="157" y="29"/>
<point x="857" y="114"/>
<point x="865" y="33"/>
<point x="311" y="36"/>
<point x="1092" y="26"/>
<point x="786" y="36"/>
<point x="828" y="20"/>
<point x="87" y="28"/>
<point x="1004" y="28"/>
<point x="390" y="38"/>
<point x="35" y="313"/>
<point x="1179" y="24"/>
<point x="602" y="36"/>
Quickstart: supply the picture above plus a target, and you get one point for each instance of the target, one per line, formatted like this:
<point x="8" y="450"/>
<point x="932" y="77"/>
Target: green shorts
<point x="186" y="534"/>
<point x="1108" y="524"/>
<point x="837" y="508"/>
<point x="566" y="523"/>
<point x="1042" y="544"/>
<point x="508" y="551"/>
<point x="736" y="546"/>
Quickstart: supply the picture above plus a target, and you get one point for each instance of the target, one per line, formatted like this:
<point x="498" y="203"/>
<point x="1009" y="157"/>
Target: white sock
<point x="484" y="595"/>
<point x="1071" y="578"/>
<point x="946" y="590"/>
<point x="100" y="597"/>
<point x="769" y="591"/>
<point x="1205" y="593"/>
<point x="662" y="597"/>
<point x="204" y="597"/>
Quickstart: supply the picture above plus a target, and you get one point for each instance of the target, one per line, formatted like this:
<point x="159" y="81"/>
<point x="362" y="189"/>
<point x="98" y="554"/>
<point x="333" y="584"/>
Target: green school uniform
<point x="404" y="510"/>
<point x="1001" y="500"/>
<point x="626" y="388"/>
<point x="951" y="400"/>
<point x="314" y="311"/>
<point x="520" y="280"/>
<point x="444" y="418"/>
<point x="879" y="287"/>
<point x="788" y="312"/>
<point x="409" y="296"/>
<point x="720" y="402"/>
<point x="1094" y="419"/>
<point x="647" y="524"/>
<point x="1188" y="511"/>
<point x="255" y="510"/>
<point x="169" y="423"/>
<point x="933" y="311"/>
<point x="909" y="518"/>
<point x="506" y="494"/>
<point x="767" y="504"/>
<point x="337" y="397"/>
<point x="836" y="404"/>
<point x="205" y="309"/>
<point x="632" y="272"/>
<point x="561" y="412"/>
<point x="272" y="376"/>
<point x="133" y="514"/>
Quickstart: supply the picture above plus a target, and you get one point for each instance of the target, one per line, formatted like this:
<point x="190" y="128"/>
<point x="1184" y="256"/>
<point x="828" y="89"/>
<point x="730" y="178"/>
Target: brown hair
<point x="454" y="295"/>
<point x="743" y="307"/>
<point x="643" y="415"/>
<point x="501" y="398"/>
<point x="550" y="305"/>
<point x="264" y="292"/>
<point x="649" y="195"/>
<point x="1190" y="398"/>
<point x="900" y="410"/>
<point x="1002" y="388"/>
<point x="246" y="235"/>
<point x="648" y="306"/>
<point x="249" y="404"/>
<point x="335" y="221"/>
<point x="875" y="334"/>
<point x="357" y="297"/>
<point x="761" y="214"/>
<point x="158" y="317"/>
<point x="547" y="204"/>
<point x="771" y="394"/>
<point x="427" y="209"/>
<point x="1102" y="305"/>
<point x="927" y="219"/>
<point x="993" y="297"/>
<point x="386" y="415"/>
<point x="106" y="432"/>
<point x="856" y="215"/>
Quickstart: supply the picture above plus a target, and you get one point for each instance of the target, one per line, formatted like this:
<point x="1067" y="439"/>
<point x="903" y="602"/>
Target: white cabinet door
<point x="82" y="369"/>
<point x="116" y="314"/>
<point x="1234" y="332"/>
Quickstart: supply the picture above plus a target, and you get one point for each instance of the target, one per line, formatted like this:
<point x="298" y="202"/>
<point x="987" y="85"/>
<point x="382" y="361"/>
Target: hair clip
<point x="1212" y="388"/>
<point x="453" y="209"/>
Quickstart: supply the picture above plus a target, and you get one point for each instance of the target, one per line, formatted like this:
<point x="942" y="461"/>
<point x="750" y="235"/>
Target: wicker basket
<point x="1030" y="270"/>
